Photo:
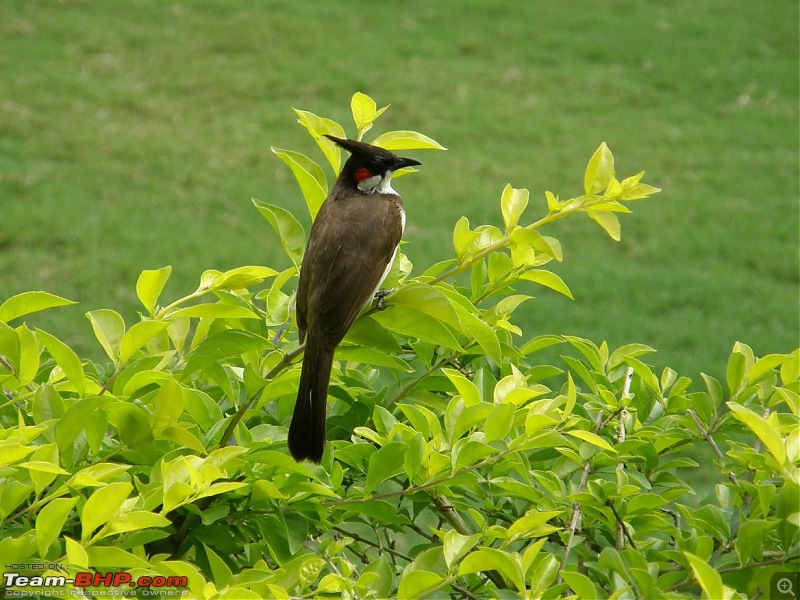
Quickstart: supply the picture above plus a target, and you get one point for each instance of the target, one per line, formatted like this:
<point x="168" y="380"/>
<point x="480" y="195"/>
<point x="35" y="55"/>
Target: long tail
<point x="307" y="431"/>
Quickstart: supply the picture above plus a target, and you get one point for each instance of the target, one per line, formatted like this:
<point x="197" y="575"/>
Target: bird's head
<point x="369" y="167"/>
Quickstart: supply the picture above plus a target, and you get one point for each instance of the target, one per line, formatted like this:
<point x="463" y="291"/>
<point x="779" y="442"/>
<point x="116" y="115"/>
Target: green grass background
<point x="133" y="135"/>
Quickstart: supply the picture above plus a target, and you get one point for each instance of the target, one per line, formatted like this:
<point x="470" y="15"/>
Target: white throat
<point x="381" y="184"/>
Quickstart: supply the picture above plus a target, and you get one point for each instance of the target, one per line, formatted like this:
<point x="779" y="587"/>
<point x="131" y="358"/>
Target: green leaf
<point x="137" y="336"/>
<point x="415" y="583"/>
<point x="136" y="520"/>
<point x="457" y="545"/>
<point x="291" y="233"/>
<point x="735" y="373"/>
<point x="365" y="111"/>
<point x="471" y="453"/>
<point x="619" y="355"/>
<point x="102" y="506"/>
<point x="592" y="438"/>
<point x="182" y="437"/>
<point x="530" y="525"/>
<point x="547" y="279"/>
<point x="371" y="356"/>
<point x="28" y="355"/>
<point x="76" y="554"/>
<point x="221" y="346"/>
<point x="764" y="429"/>
<point x="406" y="140"/>
<point x="413" y="323"/>
<point x="466" y="388"/>
<point x="29" y="302"/>
<point x="599" y="171"/>
<point x="239" y="278"/>
<point x="512" y="203"/>
<point x="215" y="311"/>
<point x="750" y="539"/>
<point x="706" y="576"/>
<point x="150" y="285"/>
<point x="108" y="328"/>
<point x="765" y="364"/>
<point x="608" y="221"/>
<point x="219" y="569"/>
<point x="386" y="462"/>
<point x="580" y="584"/>
<point x="50" y="520"/>
<point x="318" y="127"/>
<point x="309" y="177"/>
<point x="115" y="558"/>
<point x="65" y="358"/>
<point x="463" y="237"/>
<point x="167" y="405"/>
<point x="499" y="421"/>
<point x="489" y="559"/>
<point x="133" y="425"/>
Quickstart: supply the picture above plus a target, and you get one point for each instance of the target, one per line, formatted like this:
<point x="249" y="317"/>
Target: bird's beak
<point x="402" y="162"/>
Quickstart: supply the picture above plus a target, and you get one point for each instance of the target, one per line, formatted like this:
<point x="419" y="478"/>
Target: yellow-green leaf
<point x="365" y="111"/>
<point x="592" y="438"/>
<point x="150" y="285"/>
<point x="108" y="328"/>
<point x="215" y="311"/>
<point x="65" y="358"/>
<point x="318" y="127"/>
<point x="706" y="576"/>
<point x="406" y="140"/>
<point x="513" y="202"/>
<point x="29" y="302"/>
<point x="50" y="520"/>
<point x="102" y="505"/>
<point x="548" y="279"/>
<point x="309" y="177"/>
<point x="291" y="233"/>
<point x="137" y="336"/>
<point x="608" y="221"/>
<point x="76" y="554"/>
<point x="766" y="432"/>
<point x="599" y="171"/>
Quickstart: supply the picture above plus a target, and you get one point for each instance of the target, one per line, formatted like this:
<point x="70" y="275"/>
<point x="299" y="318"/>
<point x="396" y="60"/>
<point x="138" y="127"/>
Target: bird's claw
<point x="380" y="296"/>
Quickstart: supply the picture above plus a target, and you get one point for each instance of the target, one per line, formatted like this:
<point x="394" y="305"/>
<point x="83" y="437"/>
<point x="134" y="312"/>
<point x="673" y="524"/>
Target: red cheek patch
<point x="362" y="173"/>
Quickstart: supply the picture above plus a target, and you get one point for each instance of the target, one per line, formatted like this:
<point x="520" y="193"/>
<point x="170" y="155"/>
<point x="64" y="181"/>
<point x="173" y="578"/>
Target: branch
<point x="712" y="443"/>
<point x="621" y="524"/>
<point x="426" y="486"/>
<point x="274" y="372"/>
<point x="460" y="525"/>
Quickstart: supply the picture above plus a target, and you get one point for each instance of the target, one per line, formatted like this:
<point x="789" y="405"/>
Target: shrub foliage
<point x="460" y="461"/>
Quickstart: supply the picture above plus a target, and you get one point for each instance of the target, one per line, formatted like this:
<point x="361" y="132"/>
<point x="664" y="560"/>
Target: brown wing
<point x="350" y="246"/>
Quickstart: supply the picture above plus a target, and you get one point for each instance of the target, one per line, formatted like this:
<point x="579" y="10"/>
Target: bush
<point x="459" y="462"/>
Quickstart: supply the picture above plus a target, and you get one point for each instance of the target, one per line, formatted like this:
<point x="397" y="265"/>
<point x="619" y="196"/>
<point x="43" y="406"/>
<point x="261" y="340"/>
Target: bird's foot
<point x="380" y="296"/>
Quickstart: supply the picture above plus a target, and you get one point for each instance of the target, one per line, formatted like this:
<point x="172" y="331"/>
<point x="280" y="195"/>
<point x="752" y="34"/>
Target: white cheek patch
<point x="369" y="184"/>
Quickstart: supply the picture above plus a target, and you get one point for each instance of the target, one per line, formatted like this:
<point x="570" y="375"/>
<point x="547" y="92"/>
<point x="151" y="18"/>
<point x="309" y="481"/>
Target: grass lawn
<point x="134" y="135"/>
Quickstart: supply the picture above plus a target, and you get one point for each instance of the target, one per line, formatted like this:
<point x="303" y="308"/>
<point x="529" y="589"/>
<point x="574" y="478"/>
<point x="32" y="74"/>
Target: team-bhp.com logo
<point x="111" y="583"/>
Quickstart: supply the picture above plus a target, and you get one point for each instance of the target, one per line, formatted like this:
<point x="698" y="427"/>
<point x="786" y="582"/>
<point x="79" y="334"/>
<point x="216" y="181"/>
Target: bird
<point x="353" y="241"/>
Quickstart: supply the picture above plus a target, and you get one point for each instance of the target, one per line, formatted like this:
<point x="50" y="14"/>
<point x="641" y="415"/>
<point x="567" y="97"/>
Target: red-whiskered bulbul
<point x="350" y="250"/>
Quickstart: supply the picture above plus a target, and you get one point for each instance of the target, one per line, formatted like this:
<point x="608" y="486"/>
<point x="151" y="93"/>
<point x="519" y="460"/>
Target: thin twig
<point x="378" y="545"/>
<point x="227" y="436"/>
<point x="621" y="524"/>
<point x="707" y="436"/>
<point x="425" y="486"/>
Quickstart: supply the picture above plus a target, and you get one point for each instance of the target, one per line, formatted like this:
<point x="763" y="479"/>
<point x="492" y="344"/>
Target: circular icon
<point x="785" y="586"/>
